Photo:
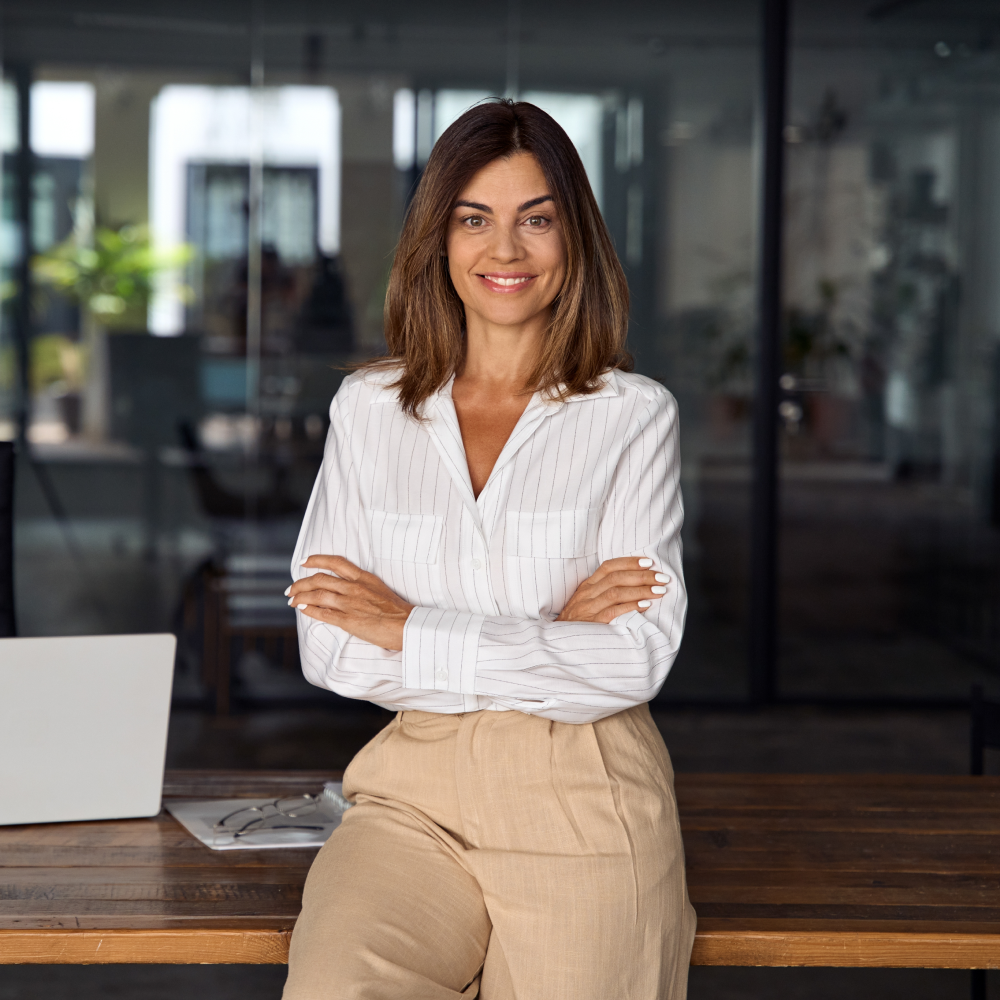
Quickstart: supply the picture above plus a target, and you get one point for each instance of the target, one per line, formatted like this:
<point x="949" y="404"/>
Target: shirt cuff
<point x="441" y="649"/>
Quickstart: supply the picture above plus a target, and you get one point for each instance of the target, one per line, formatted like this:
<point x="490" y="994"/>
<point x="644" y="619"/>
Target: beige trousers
<point x="500" y="855"/>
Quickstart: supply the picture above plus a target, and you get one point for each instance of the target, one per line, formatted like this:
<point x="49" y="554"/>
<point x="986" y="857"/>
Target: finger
<point x="344" y="568"/>
<point x="322" y="599"/>
<point x="319" y="581"/>
<point x="622" y="586"/>
<point x="622" y="563"/>
<point x="336" y="564"/>
<point x="634" y="578"/>
<point x="328" y="615"/>
<point x="311" y="599"/>
<point x="610" y="614"/>
<point x="594" y="586"/>
<point x="626" y="595"/>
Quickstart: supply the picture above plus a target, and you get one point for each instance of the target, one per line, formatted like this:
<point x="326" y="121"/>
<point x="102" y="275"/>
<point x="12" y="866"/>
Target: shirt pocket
<point x="549" y="554"/>
<point x="409" y="538"/>
<point x="406" y="554"/>
<point x="554" y="534"/>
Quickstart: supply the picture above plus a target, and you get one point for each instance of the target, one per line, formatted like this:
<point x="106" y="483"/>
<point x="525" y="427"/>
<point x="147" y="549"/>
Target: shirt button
<point x="441" y="674"/>
<point x="477" y="564"/>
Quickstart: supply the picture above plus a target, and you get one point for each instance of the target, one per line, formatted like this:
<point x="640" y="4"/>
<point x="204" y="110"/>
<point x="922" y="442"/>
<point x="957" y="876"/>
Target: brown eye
<point x="476" y="221"/>
<point x="536" y="220"/>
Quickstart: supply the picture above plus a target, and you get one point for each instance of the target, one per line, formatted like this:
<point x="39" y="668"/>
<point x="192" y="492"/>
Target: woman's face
<point x="506" y="253"/>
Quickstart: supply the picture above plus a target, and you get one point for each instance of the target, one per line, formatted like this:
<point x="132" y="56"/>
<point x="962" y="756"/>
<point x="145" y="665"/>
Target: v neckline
<point x="446" y="433"/>
<point x="496" y="461"/>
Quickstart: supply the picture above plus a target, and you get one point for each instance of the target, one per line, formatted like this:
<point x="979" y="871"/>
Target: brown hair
<point x="424" y="317"/>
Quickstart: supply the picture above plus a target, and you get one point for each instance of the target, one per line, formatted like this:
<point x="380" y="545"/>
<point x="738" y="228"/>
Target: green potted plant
<point x="110" y="273"/>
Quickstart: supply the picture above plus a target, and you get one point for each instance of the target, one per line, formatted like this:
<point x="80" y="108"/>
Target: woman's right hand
<point x="617" y="586"/>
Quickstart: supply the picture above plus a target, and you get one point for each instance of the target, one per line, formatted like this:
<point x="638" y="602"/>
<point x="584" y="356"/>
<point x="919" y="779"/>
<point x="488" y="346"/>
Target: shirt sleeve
<point x="332" y="658"/>
<point x="576" y="671"/>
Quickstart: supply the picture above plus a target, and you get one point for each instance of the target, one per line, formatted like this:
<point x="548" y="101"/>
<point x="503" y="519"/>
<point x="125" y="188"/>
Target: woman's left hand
<point x="356" y="601"/>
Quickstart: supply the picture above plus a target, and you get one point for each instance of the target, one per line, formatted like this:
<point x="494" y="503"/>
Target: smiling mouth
<point x="507" y="282"/>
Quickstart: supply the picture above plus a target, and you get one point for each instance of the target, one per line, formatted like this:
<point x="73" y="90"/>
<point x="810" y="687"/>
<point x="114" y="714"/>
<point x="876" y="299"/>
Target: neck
<point x="501" y="355"/>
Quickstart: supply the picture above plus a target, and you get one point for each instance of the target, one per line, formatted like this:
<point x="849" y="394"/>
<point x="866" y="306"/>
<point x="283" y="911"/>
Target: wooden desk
<point x="783" y="870"/>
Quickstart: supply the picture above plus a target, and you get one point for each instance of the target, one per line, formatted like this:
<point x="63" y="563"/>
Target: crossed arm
<point x="344" y="595"/>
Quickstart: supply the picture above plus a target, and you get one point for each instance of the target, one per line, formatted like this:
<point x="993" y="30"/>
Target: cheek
<point x="552" y="256"/>
<point x="555" y="265"/>
<point x="460" y="263"/>
<point x="459" y="278"/>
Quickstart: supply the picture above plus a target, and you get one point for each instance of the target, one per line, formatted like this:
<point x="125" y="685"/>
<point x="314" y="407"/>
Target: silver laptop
<point x="83" y="726"/>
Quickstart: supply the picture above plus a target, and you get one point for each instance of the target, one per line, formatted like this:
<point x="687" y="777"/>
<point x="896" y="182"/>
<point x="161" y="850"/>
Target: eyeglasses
<point x="270" y="815"/>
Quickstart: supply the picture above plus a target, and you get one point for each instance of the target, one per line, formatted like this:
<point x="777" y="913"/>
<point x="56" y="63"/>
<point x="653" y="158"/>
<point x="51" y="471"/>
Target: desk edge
<point x="847" y="949"/>
<point x="209" y="946"/>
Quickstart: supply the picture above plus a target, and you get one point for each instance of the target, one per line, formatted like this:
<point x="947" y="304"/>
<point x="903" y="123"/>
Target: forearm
<point x="348" y="666"/>
<point x="569" y="671"/>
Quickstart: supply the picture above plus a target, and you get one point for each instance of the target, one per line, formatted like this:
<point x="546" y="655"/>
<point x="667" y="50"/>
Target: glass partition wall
<point x="215" y="247"/>
<point x="215" y="194"/>
<point x="889" y="556"/>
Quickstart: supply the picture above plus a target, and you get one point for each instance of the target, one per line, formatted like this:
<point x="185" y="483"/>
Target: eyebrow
<point x="534" y="202"/>
<point x="521" y="208"/>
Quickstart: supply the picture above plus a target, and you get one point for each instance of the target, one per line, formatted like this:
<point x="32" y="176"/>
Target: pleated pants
<point x="500" y="855"/>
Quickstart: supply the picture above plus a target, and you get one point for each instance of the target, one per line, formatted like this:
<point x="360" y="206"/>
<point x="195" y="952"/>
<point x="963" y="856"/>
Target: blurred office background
<point x="199" y="207"/>
<point x="200" y="204"/>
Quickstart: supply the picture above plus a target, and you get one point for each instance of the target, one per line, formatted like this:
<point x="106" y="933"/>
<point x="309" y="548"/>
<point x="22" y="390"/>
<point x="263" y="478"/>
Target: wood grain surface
<point x="783" y="870"/>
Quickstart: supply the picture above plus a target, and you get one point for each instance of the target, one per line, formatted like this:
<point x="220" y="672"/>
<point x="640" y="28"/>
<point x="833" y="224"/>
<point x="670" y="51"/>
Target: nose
<point x="505" y="246"/>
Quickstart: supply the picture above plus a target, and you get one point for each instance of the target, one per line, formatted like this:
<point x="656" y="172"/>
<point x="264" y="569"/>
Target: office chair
<point x="6" y="539"/>
<point x="985" y="733"/>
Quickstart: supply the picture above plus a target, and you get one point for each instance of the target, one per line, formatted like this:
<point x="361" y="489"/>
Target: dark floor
<point x="265" y="983"/>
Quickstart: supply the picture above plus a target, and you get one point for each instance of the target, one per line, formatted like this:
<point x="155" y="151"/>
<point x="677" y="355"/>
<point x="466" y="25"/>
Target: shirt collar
<point x="608" y="387"/>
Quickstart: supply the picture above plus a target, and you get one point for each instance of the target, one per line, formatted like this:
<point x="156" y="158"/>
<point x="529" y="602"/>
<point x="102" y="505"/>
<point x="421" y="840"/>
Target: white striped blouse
<point x="581" y="481"/>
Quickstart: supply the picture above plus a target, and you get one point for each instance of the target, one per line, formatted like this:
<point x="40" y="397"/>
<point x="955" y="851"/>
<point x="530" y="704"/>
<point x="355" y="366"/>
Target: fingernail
<point x="645" y="604"/>
<point x="662" y="578"/>
<point x="288" y="590"/>
<point x="301" y="607"/>
<point x="658" y="590"/>
<point x="291" y="601"/>
<point x="645" y="563"/>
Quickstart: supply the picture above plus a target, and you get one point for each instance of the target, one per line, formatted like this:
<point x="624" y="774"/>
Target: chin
<point x="505" y="312"/>
<point x="504" y="317"/>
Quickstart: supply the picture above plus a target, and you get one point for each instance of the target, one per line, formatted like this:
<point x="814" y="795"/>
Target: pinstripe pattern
<point x="579" y="482"/>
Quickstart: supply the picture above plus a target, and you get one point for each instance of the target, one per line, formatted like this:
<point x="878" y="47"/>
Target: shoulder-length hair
<point x="424" y="317"/>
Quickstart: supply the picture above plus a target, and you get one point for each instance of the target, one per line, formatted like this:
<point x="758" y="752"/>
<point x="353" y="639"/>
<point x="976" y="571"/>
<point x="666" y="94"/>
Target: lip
<point x="526" y="278"/>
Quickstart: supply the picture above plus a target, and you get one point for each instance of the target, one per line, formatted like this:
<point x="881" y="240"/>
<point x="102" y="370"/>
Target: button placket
<point x="478" y="561"/>
<point x="480" y="566"/>
<point x="484" y="542"/>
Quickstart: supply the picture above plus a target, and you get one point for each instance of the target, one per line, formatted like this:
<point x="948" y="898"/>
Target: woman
<point x="492" y="550"/>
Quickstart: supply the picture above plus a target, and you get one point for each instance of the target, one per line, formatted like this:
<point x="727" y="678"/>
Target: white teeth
<point x="506" y="281"/>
